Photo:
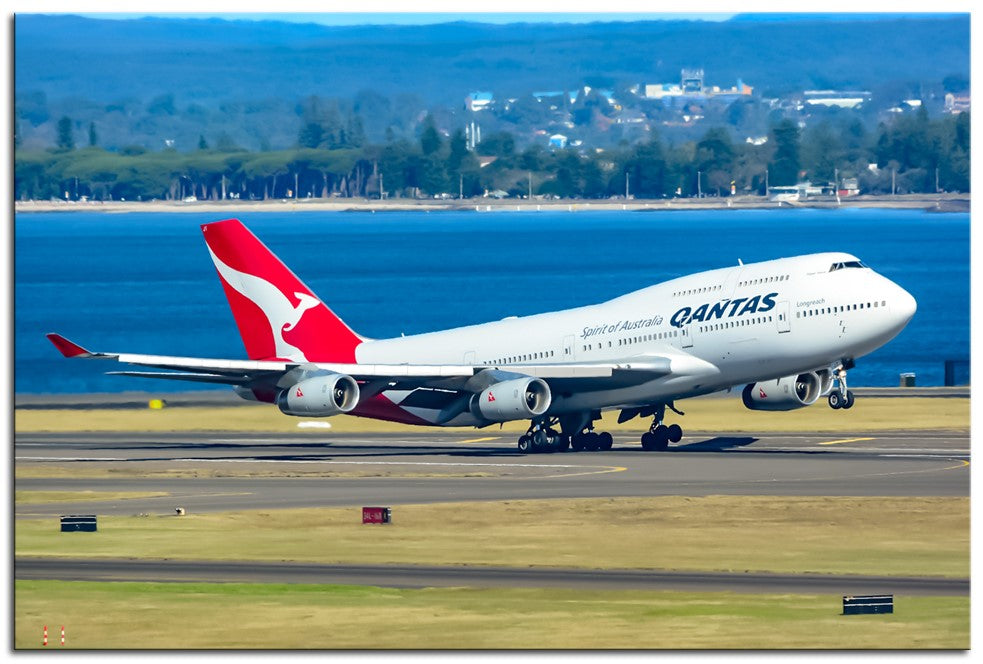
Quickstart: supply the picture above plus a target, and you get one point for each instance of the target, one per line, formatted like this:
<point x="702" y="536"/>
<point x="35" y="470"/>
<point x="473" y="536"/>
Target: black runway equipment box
<point x="857" y="604"/>
<point x="83" y="523"/>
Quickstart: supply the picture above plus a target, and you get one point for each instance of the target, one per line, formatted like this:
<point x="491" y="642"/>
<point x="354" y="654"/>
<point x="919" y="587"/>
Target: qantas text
<point x="724" y="308"/>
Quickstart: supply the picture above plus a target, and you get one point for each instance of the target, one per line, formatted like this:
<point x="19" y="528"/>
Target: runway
<point x="230" y="472"/>
<point x="427" y="576"/>
<point x="325" y="469"/>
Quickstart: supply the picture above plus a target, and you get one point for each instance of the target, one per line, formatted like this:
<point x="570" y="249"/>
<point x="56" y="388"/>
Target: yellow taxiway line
<point x="847" y="440"/>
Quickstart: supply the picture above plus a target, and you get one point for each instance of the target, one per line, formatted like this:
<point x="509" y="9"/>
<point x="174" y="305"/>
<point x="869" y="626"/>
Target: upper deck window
<point x="846" y="264"/>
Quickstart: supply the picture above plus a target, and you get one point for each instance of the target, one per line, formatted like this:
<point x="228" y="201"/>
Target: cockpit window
<point x="846" y="264"/>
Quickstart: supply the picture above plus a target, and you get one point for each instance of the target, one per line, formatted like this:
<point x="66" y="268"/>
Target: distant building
<point x="691" y="86"/>
<point x="558" y="141"/>
<point x="956" y="104"/>
<point x="841" y="98"/>
<point x="848" y="187"/>
<point x="477" y="101"/>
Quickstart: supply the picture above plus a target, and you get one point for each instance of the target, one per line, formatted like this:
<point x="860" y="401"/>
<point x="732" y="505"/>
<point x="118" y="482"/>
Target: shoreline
<point x="926" y="202"/>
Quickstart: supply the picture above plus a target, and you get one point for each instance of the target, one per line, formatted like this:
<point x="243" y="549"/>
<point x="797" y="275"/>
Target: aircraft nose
<point x="903" y="305"/>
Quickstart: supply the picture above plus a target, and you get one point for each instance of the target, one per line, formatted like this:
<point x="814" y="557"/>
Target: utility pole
<point x="937" y="180"/>
<point x="766" y="181"/>
<point x="893" y="173"/>
<point x="382" y="190"/>
<point x="530" y="185"/>
<point x="296" y="177"/>
<point x="699" y="186"/>
<point x="626" y="185"/>
<point x="460" y="188"/>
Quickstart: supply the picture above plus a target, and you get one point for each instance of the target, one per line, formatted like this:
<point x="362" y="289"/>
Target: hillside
<point x="211" y="60"/>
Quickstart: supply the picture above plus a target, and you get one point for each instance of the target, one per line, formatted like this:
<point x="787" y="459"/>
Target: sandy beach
<point x="932" y="202"/>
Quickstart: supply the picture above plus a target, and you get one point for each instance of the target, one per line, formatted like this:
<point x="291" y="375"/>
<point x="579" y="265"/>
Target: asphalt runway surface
<point x="330" y="469"/>
<point x="409" y="468"/>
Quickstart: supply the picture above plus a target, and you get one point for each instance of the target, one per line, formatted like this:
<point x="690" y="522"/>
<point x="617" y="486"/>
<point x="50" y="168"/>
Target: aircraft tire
<point x="562" y="443"/>
<point x="592" y="441"/>
<point x="648" y="441"/>
<point x="675" y="433"/>
<point x="577" y="442"/>
<point x="835" y="400"/>
<point x="604" y="441"/>
<point x="848" y="402"/>
<point x="525" y="444"/>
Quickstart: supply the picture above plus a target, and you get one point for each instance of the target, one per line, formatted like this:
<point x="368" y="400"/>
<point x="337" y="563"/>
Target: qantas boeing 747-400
<point x="786" y="329"/>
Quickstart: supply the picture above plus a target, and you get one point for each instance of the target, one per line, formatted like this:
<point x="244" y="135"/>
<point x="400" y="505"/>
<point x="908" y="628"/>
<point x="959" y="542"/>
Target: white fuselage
<point x="720" y="328"/>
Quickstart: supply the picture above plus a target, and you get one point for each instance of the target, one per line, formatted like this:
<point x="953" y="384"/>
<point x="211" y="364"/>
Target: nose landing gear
<point x="841" y="397"/>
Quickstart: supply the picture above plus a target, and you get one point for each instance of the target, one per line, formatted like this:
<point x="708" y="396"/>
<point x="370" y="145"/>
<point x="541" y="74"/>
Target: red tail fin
<point x="278" y="316"/>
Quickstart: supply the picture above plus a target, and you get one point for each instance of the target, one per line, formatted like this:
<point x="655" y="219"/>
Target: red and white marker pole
<point x="45" y="642"/>
<point x="62" y="635"/>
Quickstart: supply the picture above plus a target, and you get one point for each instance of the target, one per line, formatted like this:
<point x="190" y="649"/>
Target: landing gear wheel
<point x="848" y="403"/>
<point x="604" y="441"/>
<point x="525" y="444"/>
<point x="561" y="443"/>
<point x="648" y="441"/>
<point x="661" y="435"/>
<point x="675" y="433"/>
<point x="836" y="401"/>
<point x="591" y="441"/>
<point x="577" y="443"/>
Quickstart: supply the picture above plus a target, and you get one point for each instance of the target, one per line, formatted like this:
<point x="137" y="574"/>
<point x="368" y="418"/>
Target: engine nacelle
<point x="786" y="393"/>
<point x="517" y="399"/>
<point x="320" y="396"/>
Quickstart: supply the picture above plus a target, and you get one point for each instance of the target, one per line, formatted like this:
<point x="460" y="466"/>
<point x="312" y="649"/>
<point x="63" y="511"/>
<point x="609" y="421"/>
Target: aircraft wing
<point x="246" y="373"/>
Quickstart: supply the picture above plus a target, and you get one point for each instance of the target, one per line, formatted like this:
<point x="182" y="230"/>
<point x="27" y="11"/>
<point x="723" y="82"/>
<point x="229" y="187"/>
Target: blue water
<point x="144" y="283"/>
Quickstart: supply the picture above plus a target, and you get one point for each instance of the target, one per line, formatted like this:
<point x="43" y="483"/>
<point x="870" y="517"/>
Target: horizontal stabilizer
<point x="70" y="348"/>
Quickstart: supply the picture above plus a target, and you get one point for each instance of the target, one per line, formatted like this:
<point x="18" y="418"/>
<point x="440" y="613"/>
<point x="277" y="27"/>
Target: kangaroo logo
<point x="280" y="312"/>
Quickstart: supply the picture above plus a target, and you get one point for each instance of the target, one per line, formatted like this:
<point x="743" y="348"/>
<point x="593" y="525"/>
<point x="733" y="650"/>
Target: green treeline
<point x="912" y="154"/>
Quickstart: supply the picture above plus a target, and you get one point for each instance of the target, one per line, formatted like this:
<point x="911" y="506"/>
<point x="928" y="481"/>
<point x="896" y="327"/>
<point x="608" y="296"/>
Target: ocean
<point x="144" y="283"/>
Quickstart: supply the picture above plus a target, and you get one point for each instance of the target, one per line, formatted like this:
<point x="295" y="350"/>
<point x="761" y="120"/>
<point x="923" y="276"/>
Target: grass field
<point x="835" y="535"/>
<point x="205" y="616"/>
<point x="710" y="415"/>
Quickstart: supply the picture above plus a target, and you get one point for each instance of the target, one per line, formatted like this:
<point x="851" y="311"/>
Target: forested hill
<point x="212" y="60"/>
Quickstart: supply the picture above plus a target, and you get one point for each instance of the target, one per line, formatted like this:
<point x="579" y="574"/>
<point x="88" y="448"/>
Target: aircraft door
<point x="781" y="317"/>
<point x="686" y="335"/>
<point x="569" y="348"/>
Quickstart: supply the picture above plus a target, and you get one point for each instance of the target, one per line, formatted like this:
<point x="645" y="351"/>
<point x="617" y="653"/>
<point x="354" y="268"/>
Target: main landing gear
<point x="841" y="397"/>
<point x="659" y="435"/>
<point x="542" y="437"/>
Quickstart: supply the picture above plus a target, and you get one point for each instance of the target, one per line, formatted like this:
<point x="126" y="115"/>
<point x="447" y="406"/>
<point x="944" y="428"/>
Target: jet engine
<point x="516" y="399"/>
<point x="786" y="393"/>
<point x="319" y="396"/>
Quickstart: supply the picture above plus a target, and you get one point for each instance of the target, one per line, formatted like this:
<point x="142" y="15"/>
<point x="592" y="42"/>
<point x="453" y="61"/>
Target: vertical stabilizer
<point x="278" y="316"/>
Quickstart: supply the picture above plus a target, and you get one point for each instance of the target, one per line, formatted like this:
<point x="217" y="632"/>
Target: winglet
<point x="66" y="347"/>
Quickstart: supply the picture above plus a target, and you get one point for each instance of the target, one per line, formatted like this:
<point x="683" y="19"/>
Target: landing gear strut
<point x="659" y="435"/>
<point x="541" y="437"/>
<point x="577" y="434"/>
<point x="841" y="397"/>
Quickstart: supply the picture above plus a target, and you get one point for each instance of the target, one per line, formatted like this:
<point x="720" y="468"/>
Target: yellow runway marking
<point x="478" y="440"/>
<point x="606" y="469"/>
<point x="848" y="440"/>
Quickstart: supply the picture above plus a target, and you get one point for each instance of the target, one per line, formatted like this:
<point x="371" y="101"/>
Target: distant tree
<point x="162" y="105"/>
<point x="429" y="138"/>
<point x="311" y="135"/>
<point x="65" y="139"/>
<point x="458" y="150"/>
<point x="93" y="137"/>
<point x="202" y="143"/>
<point x="785" y="165"/>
